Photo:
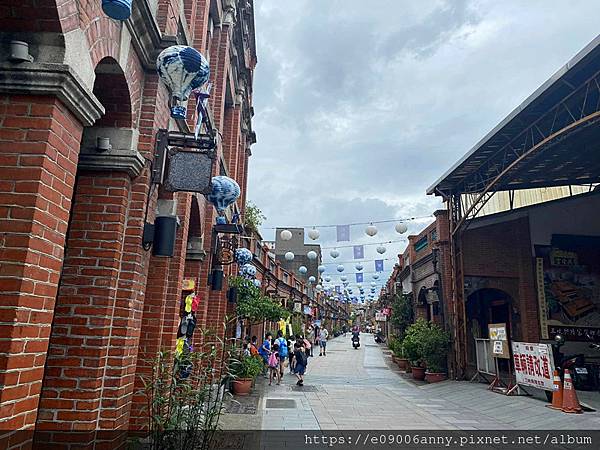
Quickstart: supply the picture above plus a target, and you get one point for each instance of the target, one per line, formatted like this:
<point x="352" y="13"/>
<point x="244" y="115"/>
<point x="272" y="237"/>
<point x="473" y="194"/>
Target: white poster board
<point x="534" y="364"/>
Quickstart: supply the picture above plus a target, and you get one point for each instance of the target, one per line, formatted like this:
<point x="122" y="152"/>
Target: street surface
<point x="360" y="390"/>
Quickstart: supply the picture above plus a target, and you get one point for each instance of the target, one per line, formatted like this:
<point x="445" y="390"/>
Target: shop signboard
<point x="380" y="317"/>
<point x="499" y="340"/>
<point x="534" y="364"/>
<point x="297" y="307"/>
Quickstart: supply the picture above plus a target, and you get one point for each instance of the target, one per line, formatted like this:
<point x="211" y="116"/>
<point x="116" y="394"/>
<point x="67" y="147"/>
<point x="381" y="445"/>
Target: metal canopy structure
<point x="551" y="139"/>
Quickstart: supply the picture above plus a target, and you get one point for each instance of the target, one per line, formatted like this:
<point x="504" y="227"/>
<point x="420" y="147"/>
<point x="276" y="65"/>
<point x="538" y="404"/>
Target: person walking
<point x="310" y="336"/>
<point x="323" y="336"/>
<point x="265" y="350"/>
<point x="301" y="363"/>
<point x="274" y="362"/>
<point x="290" y="344"/>
<point x="281" y="342"/>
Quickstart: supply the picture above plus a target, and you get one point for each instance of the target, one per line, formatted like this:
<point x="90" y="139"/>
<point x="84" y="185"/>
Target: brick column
<point x="39" y="147"/>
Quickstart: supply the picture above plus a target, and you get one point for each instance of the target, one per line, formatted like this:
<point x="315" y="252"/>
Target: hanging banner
<point x="359" y="251"/>
<point x="534" y="364"/>
<point x="379" y="265"/>
<point x="297" y="307"/>
<point x="343" y="233"/>
<point x="359" y="277"/>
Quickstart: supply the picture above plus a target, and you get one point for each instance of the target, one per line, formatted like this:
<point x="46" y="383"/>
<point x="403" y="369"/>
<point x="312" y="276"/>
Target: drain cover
<point x="304" y="388"/>
<point x="281" y="403"/>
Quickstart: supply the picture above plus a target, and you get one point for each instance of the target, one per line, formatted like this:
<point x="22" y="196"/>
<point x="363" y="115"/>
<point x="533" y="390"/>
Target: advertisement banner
<point x="534" y="364"/>
<point x="297" y="307"/>
<point x="380" y="317"/>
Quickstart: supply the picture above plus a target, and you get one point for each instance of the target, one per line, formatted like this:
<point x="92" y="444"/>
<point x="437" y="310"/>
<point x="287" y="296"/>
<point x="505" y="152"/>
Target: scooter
<point x="380" y="338"/>
<point x="574" y="363"/>
<point x="355" y="342"/>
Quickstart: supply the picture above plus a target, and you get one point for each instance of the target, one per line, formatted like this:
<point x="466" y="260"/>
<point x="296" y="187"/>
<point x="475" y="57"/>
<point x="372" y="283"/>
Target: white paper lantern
<point x="344" y="278"/>
<point x="319" y="288"/>
<point x="334" y="253"/>
<point x="340" y="268"/>
<point x="359" y="267"/>
<point x="321" y="269"/>
<point x="371" y="230"/>
<point x="311" y="279"/>
<point x="401" y="228"/>
<point x="285" y="235"/>
<point x="312" y="255"/>
<point x="376" y="276"/>
<point x="373" y="284"/>
<point x="314" y="234"/>
<point x="289" y="256"/>
<point x="327" y="278"/>
<point x="381" y="249"/>
<point x="359" y="286"/>
<point x="302" y="270"/>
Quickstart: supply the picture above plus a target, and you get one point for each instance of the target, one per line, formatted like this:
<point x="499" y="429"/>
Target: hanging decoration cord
<point x="405" y="219"/>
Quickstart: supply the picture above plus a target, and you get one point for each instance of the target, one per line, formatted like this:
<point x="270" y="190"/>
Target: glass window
<point x="421" y="243"/>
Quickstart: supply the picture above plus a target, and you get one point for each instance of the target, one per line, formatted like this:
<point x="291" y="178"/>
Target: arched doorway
<point x="485" y="306"/>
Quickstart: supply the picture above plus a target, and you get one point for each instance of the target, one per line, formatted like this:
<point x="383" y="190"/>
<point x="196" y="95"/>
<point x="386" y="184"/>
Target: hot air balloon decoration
<point x="285" y="235"/>
<point x="312" y="255"/>
<point x="311" y="279"/>
<point x="243" y="256"/>
<point x="375" y="276"/>
<point x="289" y="256"/>
<point x="371" y="230"/>
<point x="256" y="282"/>
<point x="248" y="270"/>
<point x="314" y="234"/>
<point x="334" y="253"/>
<point x="321" y="269"/>
<point x="117" y="9"/>
<point x="182" y="69"/>
<point x="359" y="267"/>
<point x="401" y="228"/>
<point x="340" y="268"/>
<point x="302" y="270"/>
<point x="224" y="192"/>
<point x="381" y="249"/>
<point x="344" y="278"/>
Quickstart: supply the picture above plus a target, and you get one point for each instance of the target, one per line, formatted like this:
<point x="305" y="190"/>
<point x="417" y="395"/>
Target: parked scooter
<point x="380" y="338"/>
<point x="574" y="363"/>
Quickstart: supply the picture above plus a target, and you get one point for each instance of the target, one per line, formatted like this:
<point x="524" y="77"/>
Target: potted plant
<point x="413" y="347"/>
<point x="244" y="370"/>
<point x="401" y="360"/>
<point x="435" y="346"/>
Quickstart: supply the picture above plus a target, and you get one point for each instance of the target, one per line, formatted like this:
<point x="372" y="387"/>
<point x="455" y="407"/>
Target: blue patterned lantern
<point x="302" y="270"/>
<point x="257" y="282"/>
<point x="224" y="192"/>
<point x="321" y="269"/>
<point x="248" y="270"/>
<point x="243" y="256"/>
<point x="183" y="69"/>
<point x="117" y="9"/>
<point x="340" y="268"/>
<point x="311" y="279"/>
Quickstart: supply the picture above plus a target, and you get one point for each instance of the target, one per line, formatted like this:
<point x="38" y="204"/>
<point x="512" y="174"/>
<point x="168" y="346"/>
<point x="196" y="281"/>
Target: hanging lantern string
<point x="336" y="263"/>
<point x="373" y="222"/>
<point x="368" y="243"/>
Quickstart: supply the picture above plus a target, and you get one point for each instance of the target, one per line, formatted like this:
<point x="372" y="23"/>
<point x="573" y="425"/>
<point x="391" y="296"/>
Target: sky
<point x="361" y="105"/>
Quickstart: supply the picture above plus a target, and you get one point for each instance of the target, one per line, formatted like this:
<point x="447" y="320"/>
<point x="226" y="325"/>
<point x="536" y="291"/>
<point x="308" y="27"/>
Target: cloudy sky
<point x="362" y="105"/>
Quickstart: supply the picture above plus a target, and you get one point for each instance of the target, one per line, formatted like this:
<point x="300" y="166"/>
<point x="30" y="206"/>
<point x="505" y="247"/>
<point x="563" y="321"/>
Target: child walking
<point x="274" y="362"/>
<point x="300" y="365"/>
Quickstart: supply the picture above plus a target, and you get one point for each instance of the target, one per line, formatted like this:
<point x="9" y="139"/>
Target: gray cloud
<point x="360" y="106"/>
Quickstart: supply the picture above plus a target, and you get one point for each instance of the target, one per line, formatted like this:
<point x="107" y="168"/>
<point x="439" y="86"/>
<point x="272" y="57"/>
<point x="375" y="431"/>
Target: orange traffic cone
<point x="557" y="394"/>
<point x="570" y="402"/>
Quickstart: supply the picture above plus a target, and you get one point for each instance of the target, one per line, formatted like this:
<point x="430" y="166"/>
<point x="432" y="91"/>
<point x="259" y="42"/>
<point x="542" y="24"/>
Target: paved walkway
<point x="359" y="390"/>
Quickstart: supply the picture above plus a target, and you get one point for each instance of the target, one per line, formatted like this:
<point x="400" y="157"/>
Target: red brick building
<point x="82" y="303"/>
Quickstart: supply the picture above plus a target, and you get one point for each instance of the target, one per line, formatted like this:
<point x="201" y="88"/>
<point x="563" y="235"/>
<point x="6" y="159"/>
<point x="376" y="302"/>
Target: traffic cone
<point x="557" y="394"/>
<point x="570" y="402"/>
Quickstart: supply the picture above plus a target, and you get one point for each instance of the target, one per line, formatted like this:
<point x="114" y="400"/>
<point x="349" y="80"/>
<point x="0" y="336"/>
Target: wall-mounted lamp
<point x="19" y="52"/>
<point x="103" y="144"/>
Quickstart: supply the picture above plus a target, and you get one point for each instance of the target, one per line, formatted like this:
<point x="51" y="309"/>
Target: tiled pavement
<point x="358" y="390"/>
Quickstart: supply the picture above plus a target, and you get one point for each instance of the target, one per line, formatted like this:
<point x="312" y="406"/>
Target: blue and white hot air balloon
<point x="327" y="278"/>
<point x="243" y="256"/>
<point x="248" y="270"/>
<point x="117" y="9"/>
<point x="182" y="69"/>
<point x="311" y="279"/>
<point x="340" y="268"/>
<point x="225" y="191"/>
<point x="375" y="276"/>
<point x="302" y="270"/>
<point x="359" y="267"/>
<point x="256" y="282"/>
<point x="321" y="269"/>
<point x="344" y="278"/>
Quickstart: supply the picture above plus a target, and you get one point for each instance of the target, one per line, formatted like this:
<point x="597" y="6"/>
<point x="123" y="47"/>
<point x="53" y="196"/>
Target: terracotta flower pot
<point x="418" y="373"/>
<point x="434" y="377"/>
<point x="395" y="359"/>
<point x="402" y="363"/>
<point x="242" y="386"/>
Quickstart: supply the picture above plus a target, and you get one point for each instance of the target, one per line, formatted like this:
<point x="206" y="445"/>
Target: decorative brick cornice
<point x="52" y="79"/>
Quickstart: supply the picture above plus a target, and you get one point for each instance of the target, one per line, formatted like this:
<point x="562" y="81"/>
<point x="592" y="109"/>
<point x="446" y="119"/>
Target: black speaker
<point x="165" y="229"/>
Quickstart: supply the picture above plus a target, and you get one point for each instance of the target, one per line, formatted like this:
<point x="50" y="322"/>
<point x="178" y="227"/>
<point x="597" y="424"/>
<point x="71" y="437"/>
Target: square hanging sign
<point x="189" y="171"/>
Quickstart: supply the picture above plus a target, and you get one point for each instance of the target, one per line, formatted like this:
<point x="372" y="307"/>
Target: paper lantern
<point x="321" y="269"/>
<point x="381" y="249"/>
<point x="117" y="9"/>
<point x="344" y="278"/>
<point x="314" y="234"/>
<point x="319" y="288"/>
<point x="312" y="255"/>
<point x="328" y="278"/>
<point x="285" y="235"/>
<point x="371" y="230"/>
<point x="359" y="286"/>
<point x="224" y="192"/>
<point x="334" y="253"/>
<point x="340" y="268"/>
<point x="376" y="276"/>
<point x="243" y="256"/>
<point x="248" y="270"/>
<point x="182" y="69"/>
<point x="401" y="228"/>
<point x="257" y="282"/>
<point x="373" y="283"/>
<point x="302" y="270"/>
<point x="359" y="267"/>
<point x="311" y="279"/>
<point x="289" y="256"/>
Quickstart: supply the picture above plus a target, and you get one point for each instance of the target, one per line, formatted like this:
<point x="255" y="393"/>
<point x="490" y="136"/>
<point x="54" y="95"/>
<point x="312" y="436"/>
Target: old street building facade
<point x="82" y="303"/>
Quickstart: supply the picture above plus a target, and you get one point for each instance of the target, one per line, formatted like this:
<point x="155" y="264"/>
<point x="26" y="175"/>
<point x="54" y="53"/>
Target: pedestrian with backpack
<point x="301" y="360"/>
<point x="283" y="350"/>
